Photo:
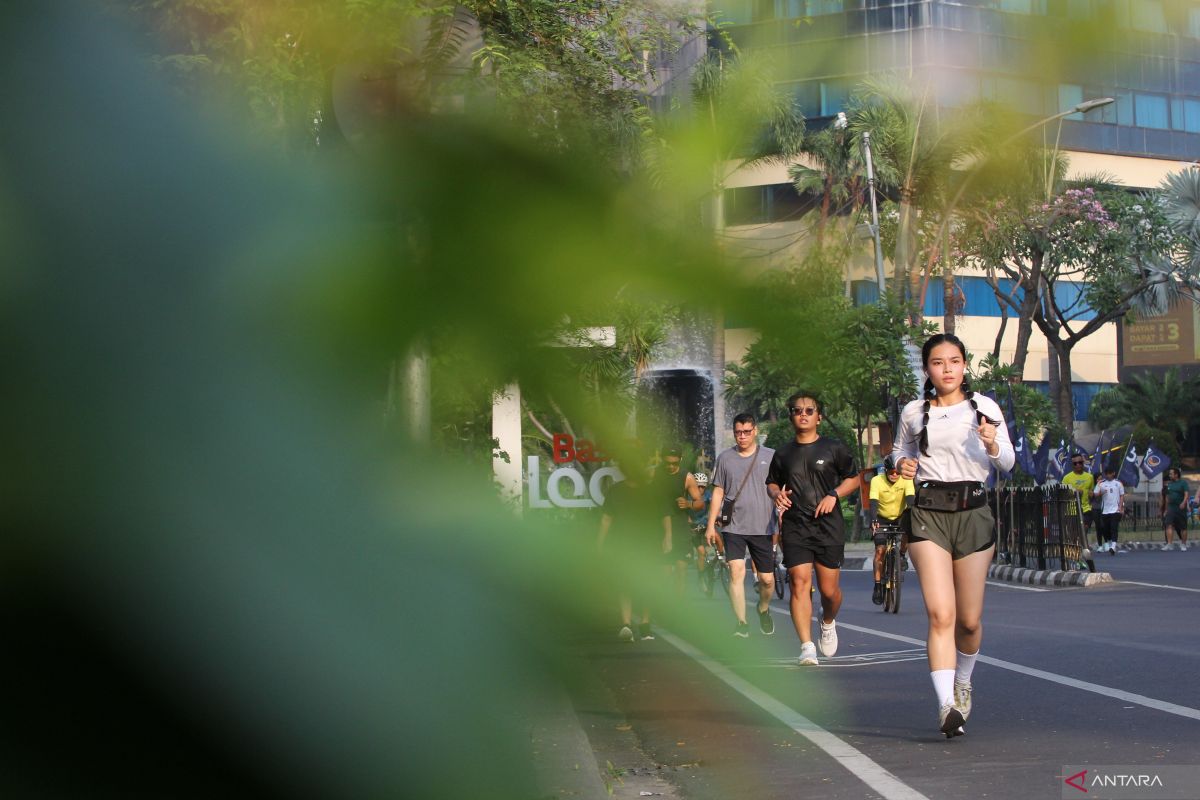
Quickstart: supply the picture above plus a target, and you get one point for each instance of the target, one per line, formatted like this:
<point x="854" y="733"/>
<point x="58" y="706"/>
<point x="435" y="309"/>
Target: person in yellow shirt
<point x="889" y="500"/>
<point x="1083" y="482"/>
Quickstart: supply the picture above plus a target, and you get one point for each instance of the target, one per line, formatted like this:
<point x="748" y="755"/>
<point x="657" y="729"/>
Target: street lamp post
<point x="866" y="142"/>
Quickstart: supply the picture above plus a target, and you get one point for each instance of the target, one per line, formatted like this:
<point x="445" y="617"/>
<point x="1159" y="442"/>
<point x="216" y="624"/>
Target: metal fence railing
<point x="1039" y="527"/>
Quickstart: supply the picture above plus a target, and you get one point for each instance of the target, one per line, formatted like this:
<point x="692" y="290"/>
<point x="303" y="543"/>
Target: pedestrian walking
<point x="1174" y="508"/>
<point x="809" y="476"/>
<point x="1112" y="506"/>
<point x="948" y="442"/>
<point x="740" y="511"/>
<point x="635" y="538"/>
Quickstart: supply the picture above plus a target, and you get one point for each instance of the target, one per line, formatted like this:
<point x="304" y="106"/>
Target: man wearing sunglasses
<point x="741" y="475"/>
<point x="1083" y="482"/>
<point x="809" y="477"/>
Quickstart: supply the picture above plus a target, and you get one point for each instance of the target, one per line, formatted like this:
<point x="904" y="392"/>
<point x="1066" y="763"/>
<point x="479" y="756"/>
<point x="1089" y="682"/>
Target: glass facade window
<point x="1124" y="106"/>
<point x="1193" y="23"/>
<point x="1022" y="6"/>
<point x="833" y="97"/>
<point x="1150" y="110"/>
<point x="1070" y="94"/>
<point x="1185" y="115"/>
<point x="1147" y="15"/>
<point x="789" y="9"/>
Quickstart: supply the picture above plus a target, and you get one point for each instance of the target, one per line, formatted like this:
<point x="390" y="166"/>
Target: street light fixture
<point x="866" y="143"/>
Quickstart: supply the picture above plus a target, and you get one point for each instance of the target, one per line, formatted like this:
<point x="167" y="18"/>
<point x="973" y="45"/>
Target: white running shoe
<point x="950" y="721"/>
<point x="962" y="698"/>
<point x="829" y="640"/>
<point x="808" y="654"/>
<point x="1183" y="546"/>
<point x="625" y="634"/>
<point x="1166" y="546"/>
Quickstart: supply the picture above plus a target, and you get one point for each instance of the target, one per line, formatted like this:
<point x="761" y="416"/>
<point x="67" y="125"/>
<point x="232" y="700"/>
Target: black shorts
<point x="880" y="536"/>
<point x="807" y="550"/>
<point x="1176" y="518"/>
<point x="762" y="552"/>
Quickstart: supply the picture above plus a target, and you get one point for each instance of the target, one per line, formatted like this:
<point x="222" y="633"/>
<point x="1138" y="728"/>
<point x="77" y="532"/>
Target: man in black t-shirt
<point x="808" y="477"/>
<point x="635" y="536"/>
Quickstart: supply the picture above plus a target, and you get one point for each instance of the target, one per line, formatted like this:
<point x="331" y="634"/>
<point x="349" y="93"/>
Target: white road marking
<point x="1053" y="677"/>
<point x="1160" y="586"/>
<point x="858" y="763"/>
<point x="1007" y="585"/>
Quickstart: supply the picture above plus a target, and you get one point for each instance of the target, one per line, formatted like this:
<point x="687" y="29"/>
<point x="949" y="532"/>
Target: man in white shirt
<point x="1112" y="507"/>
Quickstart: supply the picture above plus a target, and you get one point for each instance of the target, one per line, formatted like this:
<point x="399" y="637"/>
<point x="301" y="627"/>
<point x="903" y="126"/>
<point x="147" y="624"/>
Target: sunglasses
<point x="802" y="412"/>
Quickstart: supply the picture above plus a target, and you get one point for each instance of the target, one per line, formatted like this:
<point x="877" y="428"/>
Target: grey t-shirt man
<point x="753" y="509"/>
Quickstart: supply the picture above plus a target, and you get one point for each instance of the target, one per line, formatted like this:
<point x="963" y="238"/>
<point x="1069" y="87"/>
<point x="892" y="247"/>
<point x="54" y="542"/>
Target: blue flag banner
<point x="1059" y="461"/>
<point x="1024" y="452"/>
<point x="1096" y="466"/>
<point x="1041" y="460"/>
<point x="1155" y="463"/>
<point x="1129" y="468"/>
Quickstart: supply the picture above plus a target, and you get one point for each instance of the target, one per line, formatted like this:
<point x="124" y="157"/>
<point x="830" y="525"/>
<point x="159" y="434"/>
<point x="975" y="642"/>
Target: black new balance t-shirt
<point x="811" y="471"/>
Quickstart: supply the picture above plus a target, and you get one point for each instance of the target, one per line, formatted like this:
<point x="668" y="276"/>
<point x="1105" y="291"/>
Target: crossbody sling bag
<point x="952" y="496"/>
<point x="725" y="515"/>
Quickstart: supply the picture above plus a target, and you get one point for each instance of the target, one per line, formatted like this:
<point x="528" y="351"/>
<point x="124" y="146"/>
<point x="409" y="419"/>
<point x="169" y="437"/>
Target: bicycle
<point x="715" y="571"/>
<point x="780" y="574"/>
<point x="894" y="563"/>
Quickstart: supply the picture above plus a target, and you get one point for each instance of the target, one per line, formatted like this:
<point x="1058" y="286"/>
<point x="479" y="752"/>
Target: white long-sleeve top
<point x="956" y="453"/>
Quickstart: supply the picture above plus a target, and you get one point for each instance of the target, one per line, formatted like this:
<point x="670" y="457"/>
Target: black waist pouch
<point x="956" y="496"/>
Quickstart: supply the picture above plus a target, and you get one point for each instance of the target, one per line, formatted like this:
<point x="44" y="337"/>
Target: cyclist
<point x="1083" y="482"/>
<point x="891" y="495"/>
<point x="684" y="495"/>
<point x="698" y="516"/>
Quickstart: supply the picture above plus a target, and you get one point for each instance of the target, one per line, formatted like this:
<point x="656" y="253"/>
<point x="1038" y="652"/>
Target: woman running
<point x="947" y="443"/>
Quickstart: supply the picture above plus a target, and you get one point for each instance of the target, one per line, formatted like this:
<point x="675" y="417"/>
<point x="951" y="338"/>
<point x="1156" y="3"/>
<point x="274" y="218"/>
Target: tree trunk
<point x="904" y="247"/>
<point x="1029" y="304"/>
<point x="949" y="299"/>
<point x="1000" y="335"/>
<point x="1064" y="401"/>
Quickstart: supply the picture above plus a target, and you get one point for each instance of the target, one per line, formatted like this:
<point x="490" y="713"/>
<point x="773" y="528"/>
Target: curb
<point x="1048" y="577"/>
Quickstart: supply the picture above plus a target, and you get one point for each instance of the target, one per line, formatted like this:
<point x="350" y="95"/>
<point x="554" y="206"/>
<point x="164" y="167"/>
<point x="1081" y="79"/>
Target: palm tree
<point x="914" y="150"/>
<point x="836" y="176"/>
<point x="1165" y="402"/>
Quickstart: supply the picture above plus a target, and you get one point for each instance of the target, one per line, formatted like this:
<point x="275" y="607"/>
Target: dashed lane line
<point x="1053" y="677"/>
<point x="1160" y="586"/>
<point x="858" y="763"/>
<point x="1007" y="585"/>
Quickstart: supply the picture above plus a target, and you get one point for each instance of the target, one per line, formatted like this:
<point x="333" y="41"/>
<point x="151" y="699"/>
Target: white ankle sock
<point x="943" y="685"/>
<point x="966" y="665"/>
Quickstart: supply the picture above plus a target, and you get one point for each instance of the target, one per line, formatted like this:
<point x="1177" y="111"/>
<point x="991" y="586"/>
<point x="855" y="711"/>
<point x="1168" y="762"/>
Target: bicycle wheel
<point x="892" y="598"/>
<point x="707" y="576"/>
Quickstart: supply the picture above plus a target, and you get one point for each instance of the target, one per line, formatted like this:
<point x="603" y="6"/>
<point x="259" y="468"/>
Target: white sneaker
<point x="808" y="654"/>
<point x="1165" y="547"/>
<point x="625" y="634"/>
<point x="829" y="640"/>
<point x="1183" y="546"/>
<point x="950" y="721"/>
<point x="962" y="698"/>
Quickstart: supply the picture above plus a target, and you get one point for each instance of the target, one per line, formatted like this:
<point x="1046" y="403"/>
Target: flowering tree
<point x="1084" y="257"/>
